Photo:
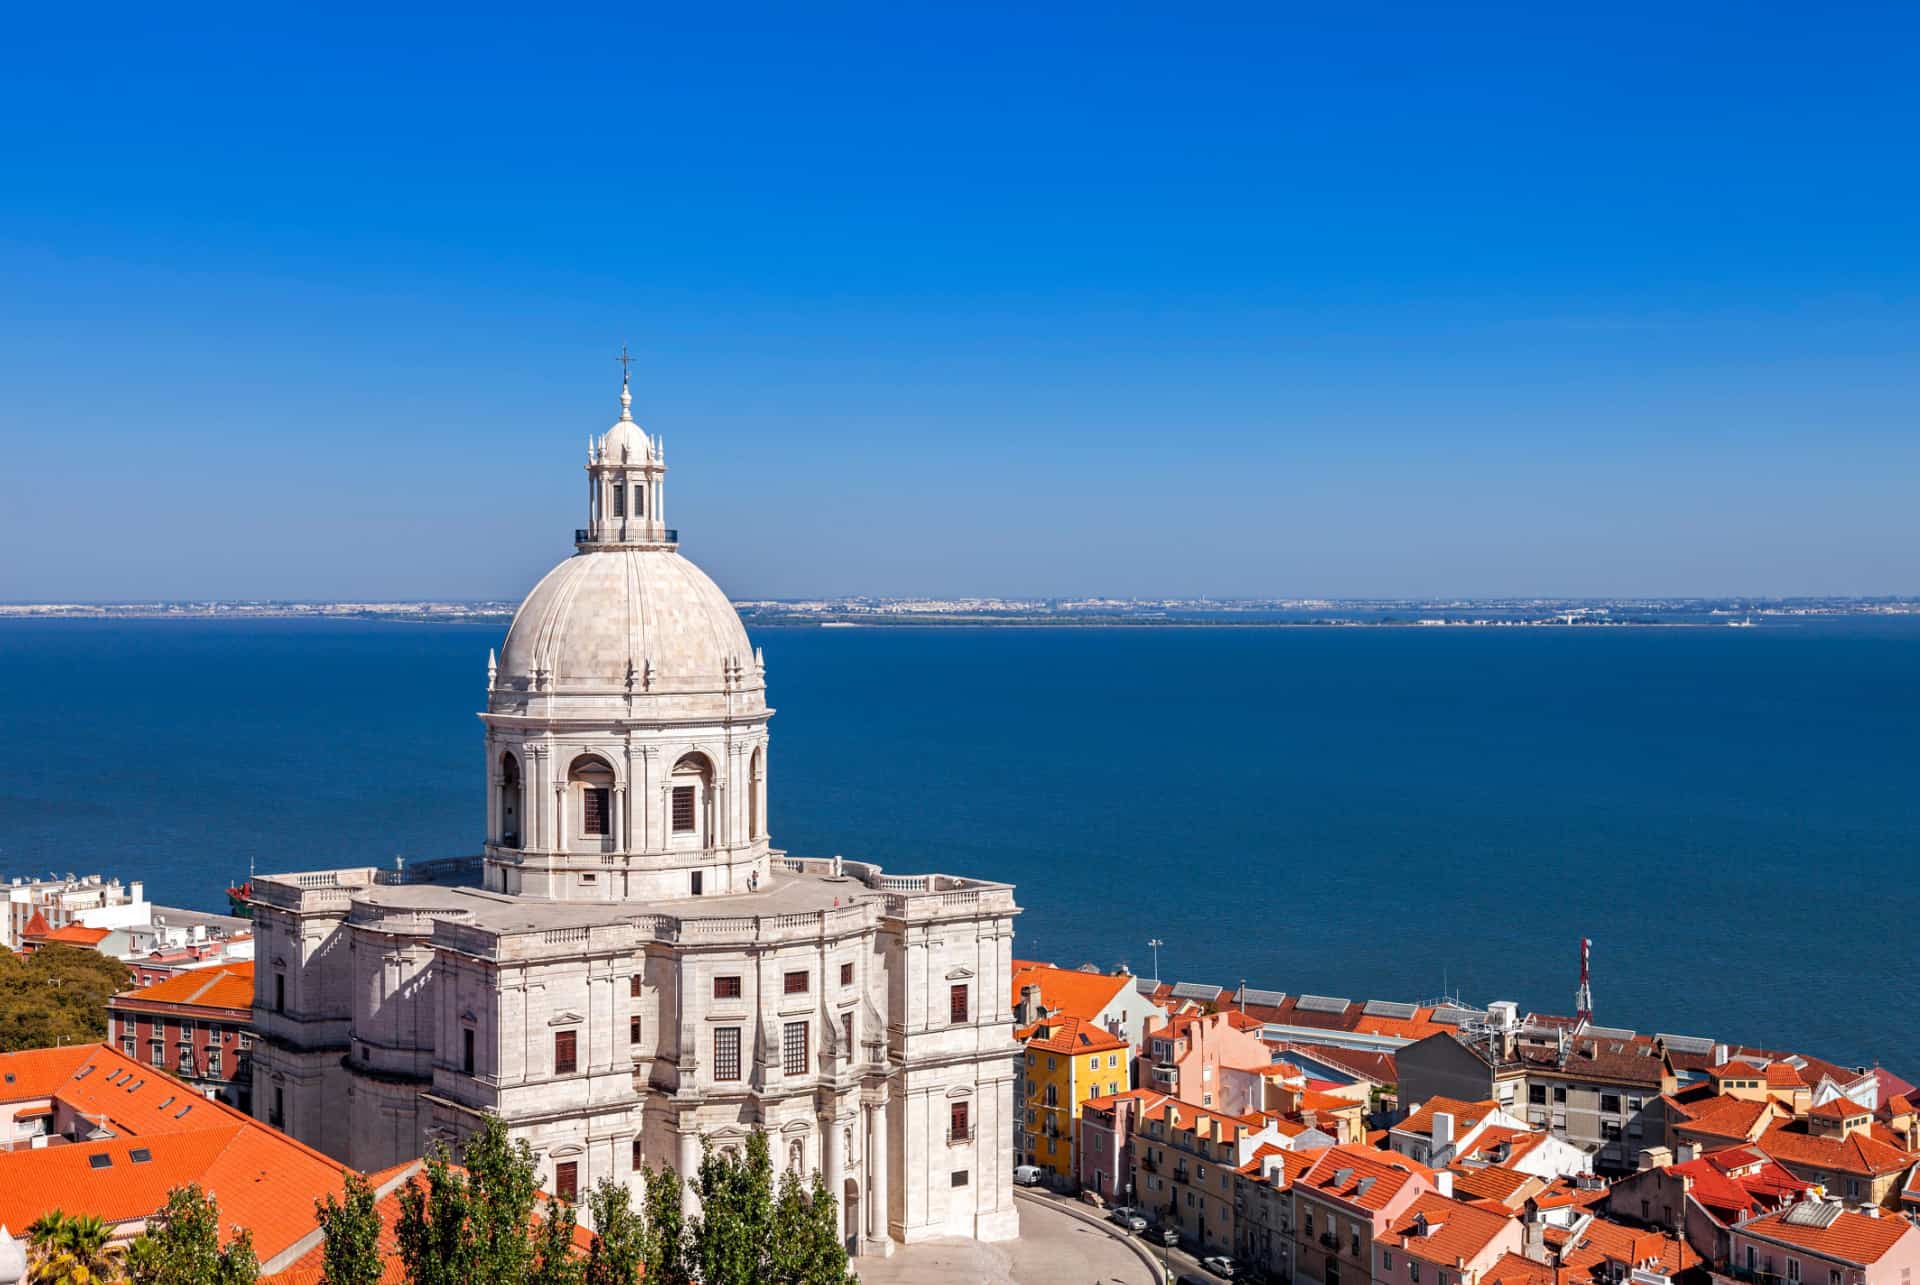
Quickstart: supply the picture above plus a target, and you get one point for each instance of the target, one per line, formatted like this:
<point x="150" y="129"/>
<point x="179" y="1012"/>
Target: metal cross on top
<point x="625" y="360"/>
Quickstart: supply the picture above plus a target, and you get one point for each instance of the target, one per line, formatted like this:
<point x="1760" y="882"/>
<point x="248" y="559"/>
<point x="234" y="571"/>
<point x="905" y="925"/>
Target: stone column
<point x="835" y="1163"/>
<point x="875" y="1195"/>
<point x="689" y="1166"/>
<point x="620" y="817"/>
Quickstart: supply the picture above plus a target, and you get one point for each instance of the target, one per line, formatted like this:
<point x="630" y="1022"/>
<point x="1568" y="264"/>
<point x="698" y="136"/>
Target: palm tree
<point x="70" y="1249"/>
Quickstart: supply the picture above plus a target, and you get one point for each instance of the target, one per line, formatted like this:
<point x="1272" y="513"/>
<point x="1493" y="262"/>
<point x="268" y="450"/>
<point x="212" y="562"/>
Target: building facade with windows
<point x="631" y="971"/>
<point x="198" y="1026"/>
<point x="1067" y="1062"/>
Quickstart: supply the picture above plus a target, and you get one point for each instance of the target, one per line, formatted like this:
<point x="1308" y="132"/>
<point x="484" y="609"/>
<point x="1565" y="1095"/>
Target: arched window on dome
<point x="590" y="782"/>
<point x="510" y="795"/>
<point x="757" y="795"/>
<point x="690" y="811"/>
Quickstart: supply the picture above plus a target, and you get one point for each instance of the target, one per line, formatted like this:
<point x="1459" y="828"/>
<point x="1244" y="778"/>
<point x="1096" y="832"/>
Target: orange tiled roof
<point x="76" y="935"/>
<point x="1839" y="1109"/>
<point x="1362" y="1176"/>
<point x="1068" y="991"/>
<point x="36" y="926"/>
<point x="1602" y="1241"/>
<point x="227" y="986"/>
<point x="1508" y="1188"/>
<point x="1070" y="1036"/>
<point x="263" y="1179"/>
<point x="1454" y="1230"/>
<point x="1725" y="1117"/>
<point x="1511" y="1269"/>
<point x="1329" y="1102"/>
<point x="1851" y="1237"/>
<point x="1465" y="1115"/>
<point x="1862" y="1153"/>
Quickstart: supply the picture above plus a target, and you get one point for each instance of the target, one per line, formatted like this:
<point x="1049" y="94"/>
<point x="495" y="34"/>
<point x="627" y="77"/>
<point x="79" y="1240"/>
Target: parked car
<point x="1094" y="1198"/>
<point x="1221" y="1265"/>
<point x="1130" y="1219"/>
<point x="1026" y="1175"/>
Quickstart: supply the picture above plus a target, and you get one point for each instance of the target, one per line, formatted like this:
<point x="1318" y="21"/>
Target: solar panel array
<point x="1454" y="1014"/>
<point x="1686" y="1043"/>
<point x="1322" y="1004"/>
<point x="1272" y="999"/>
<point x="1607" y="1032"/>
<point x="1809" y="1213"/>
<point x="1389" y="1008"/>
<point x="1195" y="990"/>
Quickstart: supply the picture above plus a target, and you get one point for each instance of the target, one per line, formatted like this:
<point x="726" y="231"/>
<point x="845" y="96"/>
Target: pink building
<point x="1438" y="1241"/>
<point x="1105" y="1160"/>
<point x="1187" y="1055"/>
<point x="1344" y="1203"/>
<point x="1819" y="1243"/>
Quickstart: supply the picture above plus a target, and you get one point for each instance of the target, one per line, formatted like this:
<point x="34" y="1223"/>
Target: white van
<point x="1026" y="1175"/>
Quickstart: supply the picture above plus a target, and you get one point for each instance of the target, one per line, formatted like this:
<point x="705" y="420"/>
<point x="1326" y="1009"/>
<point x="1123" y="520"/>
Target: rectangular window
<point x="157" y="1054"/>
<point x="796" y="983"/>
<point x="1793" y="1269"/>
<point x="1610" y="1103"/>
<point x="639" y="1160"/>
<point x="846" y="1032"/>
<point x="639" y="500"/>
<point x="1356" y="1244"/>
<point x="959" y="1178"/>
<point x="563" y="1052"/>
<point x="279" y="1117"/>
<point x="595" y="820"/>
<point x="633" y="986"/>
<point x="213" y="1061"/>
<point x="619" y="501"/>
<point x="793" y="1049"/>
<point x="726" y="988"/>
<point x="466" y="1050"/>
<point x="1413" y="1272"/>
<point x="1386" y="1260"/>
<point x="1560" y="1093"/>
<point x="846" y="974"/>
<point x="566" y="1180"/>
<point x="1537" y="1094"/>
<point x="726" y="1053"/>
<point x="683" y="809"/>
<point x="126" y="1046"/>
<point x="957" y="1007"/>
<point x="279" y="992"/>
<point x="957" y="1122"/>
<point x="1610" y="1130"/>
<point x="633" y="1030"/>
<point x="695" y="884"/>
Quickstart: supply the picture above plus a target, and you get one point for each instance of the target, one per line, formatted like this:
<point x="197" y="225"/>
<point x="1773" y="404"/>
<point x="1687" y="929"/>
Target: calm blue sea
<point x="1729" y="814"/>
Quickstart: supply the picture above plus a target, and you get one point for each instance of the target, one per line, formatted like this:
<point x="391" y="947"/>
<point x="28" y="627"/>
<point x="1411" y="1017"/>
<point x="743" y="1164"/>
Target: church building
<point x="631" y="967"/>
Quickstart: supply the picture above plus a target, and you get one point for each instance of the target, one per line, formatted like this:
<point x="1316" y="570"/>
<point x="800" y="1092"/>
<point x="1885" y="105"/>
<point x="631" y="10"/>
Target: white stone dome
<point x="624" y="443"/>
<point x="640" y="620"/>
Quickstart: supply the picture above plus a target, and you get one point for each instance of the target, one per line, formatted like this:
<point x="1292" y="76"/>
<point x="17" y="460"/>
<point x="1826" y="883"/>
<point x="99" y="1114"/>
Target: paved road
<point x="1055" y="1248"/>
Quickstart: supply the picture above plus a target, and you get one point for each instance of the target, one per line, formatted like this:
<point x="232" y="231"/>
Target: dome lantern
<point x="626" y="473"/>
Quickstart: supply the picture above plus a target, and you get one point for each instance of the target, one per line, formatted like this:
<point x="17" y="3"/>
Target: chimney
<point x="1442" y="1135"/>
<point x="1443" y="1182"/>
<point x="1719" y="1055"/>
<point x="1029" y="1001"/>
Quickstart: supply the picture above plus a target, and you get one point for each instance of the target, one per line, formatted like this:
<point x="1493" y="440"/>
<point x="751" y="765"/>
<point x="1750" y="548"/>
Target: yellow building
<point x="1068" y="1060"/>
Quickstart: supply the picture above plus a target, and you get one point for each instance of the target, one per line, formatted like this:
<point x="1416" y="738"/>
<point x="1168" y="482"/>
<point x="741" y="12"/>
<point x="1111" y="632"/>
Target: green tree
<point x="555" y="1261"/>
<point x="473" y="1228"/>
<point x="352" y="1228"/>
<point x="70" y="1249"/>
<point x="620" y="1236"/>
<point x="56" y="995"/>
<point x="732" y="1237"/>
<point x="665" y="1244"/>
<point x="181" y="1245"/>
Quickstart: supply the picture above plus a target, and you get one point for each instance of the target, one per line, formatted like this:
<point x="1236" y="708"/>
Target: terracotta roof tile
<point x="228" y="986"/>
<point x="1454" y="1230"/>
<point x="1861" y="1153"/>
<point x="1851" y="1237"/>
<point x="1069" y="992"/>
<point x="1362" y="1176"/>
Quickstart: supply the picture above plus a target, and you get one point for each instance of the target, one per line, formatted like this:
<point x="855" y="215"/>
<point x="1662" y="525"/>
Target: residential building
<point x="1594" y="1248"/>
<point x="1840" y="1147"/>
<point x="1067" y="1062"/>
<point x="1820" y="1243"/>
<point x="1187" y="1054"/>
<point x="197" y="1025"/>
<point x="631" y="968"/>
<point x="1441" y="1128"/>
<point x="1263" y="1208"/>
<point x="1440" y="1241"/>
<point x="1184" y="1162"/>
<point x="1344" y="1203"/>
<point x="74" y="899"/>
<point x="1590" y="1085"/>
<point x="1706" y="1197"/>
<point x="1109" y="1001"/>
<point x="1104" y="1152"/>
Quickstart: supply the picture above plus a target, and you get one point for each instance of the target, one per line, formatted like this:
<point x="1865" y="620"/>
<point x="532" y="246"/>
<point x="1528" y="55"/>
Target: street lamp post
<point x="1155" y="943"/>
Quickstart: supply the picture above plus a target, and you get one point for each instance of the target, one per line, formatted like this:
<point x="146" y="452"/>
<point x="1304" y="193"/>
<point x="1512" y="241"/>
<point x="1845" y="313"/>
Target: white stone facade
<point x="632" y="966"/>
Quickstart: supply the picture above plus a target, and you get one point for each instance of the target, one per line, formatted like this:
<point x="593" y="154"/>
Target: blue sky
<point x="1246" y="300"/>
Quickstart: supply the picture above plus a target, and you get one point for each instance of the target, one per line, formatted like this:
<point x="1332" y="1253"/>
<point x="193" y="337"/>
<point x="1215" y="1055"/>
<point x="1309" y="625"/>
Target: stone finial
<point x="493" y="668"/>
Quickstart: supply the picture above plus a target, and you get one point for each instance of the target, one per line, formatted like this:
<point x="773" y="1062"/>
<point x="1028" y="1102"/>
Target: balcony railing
<point x="963" y="1134"/>
<point x="668" y="535"/>
<point x="1180" y="1173"/>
